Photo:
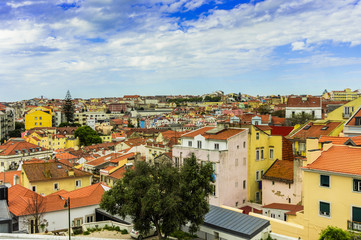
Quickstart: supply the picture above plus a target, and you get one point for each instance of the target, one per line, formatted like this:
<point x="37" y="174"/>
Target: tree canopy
<point x="162" y="195"/>
<point x="335" y="233"/>
<point x="68" y="108"/>
<point x="300" y="118"/>
<point x="87" y="136"/>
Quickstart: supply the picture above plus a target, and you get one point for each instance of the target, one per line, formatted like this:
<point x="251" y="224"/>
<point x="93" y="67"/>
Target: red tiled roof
<point x="18" y="145"/>
<point x="352" y="121"/>
<point x="304" y="102"/>
<point x="280" y="170"/>
<point x="9" y="177"/>
<point x="50" y="170"/>
<point x="119" y="173"/>
<point x="314" y="130"/>
<point x="20" y="198"/>
<point x="281" y="130"/>
<point x="339" y="159"/>
<point x="292" y="208"/>
<point x="334" y="140"/>
<point x="222" y="135"/>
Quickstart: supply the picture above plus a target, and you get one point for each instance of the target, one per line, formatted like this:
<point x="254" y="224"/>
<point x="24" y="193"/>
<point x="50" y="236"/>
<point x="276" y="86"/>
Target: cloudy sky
<point x="104" y="48"/>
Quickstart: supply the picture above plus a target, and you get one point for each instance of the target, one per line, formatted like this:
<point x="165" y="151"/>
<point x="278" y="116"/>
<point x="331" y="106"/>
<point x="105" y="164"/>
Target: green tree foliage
<point x="279" y="113"/>
<point x="87" y="136"/>
<point x="68" y="108"/>
<point x="162" y="196"/>
<point x="212" y="99"/>
<point x="68" y="124"/>
<point x="300" y="118"/>
<point x="335" y="233"/>
<point x="264" y="109"/>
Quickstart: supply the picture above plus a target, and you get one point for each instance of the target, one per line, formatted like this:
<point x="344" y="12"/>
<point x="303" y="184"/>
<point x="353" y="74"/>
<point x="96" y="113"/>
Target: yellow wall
<point x="47" y="187"/>
<point x="72" y="143"/>
<point x="266" y="142"/>
<point x="340" y="195"/>
<point x="107" y="138"/>
<point x="337" y="114"/>
<point x="38" y="119"/>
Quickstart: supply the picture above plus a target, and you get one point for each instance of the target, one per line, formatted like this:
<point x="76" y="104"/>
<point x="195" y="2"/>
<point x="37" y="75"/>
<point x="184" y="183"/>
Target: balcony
<point x="354" y="226"/>
<point x="346" y="115"/>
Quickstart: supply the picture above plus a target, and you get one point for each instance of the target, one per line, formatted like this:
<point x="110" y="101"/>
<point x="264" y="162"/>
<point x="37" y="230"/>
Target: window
<point x="176" y="161"/>
<point x="78" y="183"/>
<point x="257" y="175"/>
<point x="357" y="121"/>
<point x="189" y="143"/>
<point x="271" y="153"/>
<point x="213" y="190"/>
<point x="236" y="162"/>
<point x="89" y="218"/>
<point x="244" y="161"/>
<point x="33" y="188"/>
<point x="293" y="113"/>
<point x="36" y="124"/>
<point x="216" y="146"/>
<point x="262" y="154"/>
<point x="356" y="214"/>
<point x="77" y="222"/>
<point x="301" y="147"/>
<point x="325" y="209"/>
<point x="357" y="185"/>
<point x="244" y="184"/>
<point x="244" y="144"/>
<point x="257" y="154"/>
<point x="237" y="146"/>
<point x="56" y="186"/>
<point x="40" y="118"/>
<point x="261" y="174"/>
<point x="199" y="144"/>
<point x="324" y="181"/>
<point x="257" y="196"/>
<point x="257" y="135"/>
<point x="36" y="118"/>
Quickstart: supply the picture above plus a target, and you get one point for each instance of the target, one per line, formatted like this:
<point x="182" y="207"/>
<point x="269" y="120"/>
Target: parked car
<point x="138" y="235"/>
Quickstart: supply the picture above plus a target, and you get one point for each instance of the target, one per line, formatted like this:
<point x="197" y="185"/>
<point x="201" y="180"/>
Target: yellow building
<point x="344" y="112"/>
<point x="263" y="150"/>
<point x="38" y="117"/>
<point x="49" y="177"/>
<point x="345" y="95"/>
<point x="331" y="190"/>
<point x="313" y="129"/>
<point x="106" y="138"/>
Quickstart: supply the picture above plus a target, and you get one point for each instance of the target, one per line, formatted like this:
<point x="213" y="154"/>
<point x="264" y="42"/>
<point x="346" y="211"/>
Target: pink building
<point x="282" y="182"/>
<point x="227" y="150"/>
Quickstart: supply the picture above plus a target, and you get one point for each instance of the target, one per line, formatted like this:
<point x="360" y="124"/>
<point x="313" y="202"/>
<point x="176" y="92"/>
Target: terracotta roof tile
<point x="19" y="145"/>
<point x="281" y="130"/>
<point x="280" y="170"/>
<point x="222" y="135"/>
<point x="50" y="170"/>
<point x="304" y="102"/>
<point x="313" y="130"/>
<point x="339" y="159"/>
<point x="334" y="140"/>
<point x="292" y="208"/>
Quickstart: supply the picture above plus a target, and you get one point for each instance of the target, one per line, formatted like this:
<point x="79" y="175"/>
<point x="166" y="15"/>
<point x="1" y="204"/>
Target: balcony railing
<point x="355" y="226"/>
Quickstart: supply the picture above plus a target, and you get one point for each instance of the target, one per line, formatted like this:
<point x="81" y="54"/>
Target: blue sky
<point x="105" y="48"/>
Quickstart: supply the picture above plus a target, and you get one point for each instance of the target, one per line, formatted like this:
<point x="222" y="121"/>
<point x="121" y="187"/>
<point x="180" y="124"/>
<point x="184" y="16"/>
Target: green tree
<point x="68" y="124"/>
<point x="68" y="108"/>
<point x="300" y="118"/>
<point x="264" y="109"/>
<point x="279" y="113"/>
<point x="87" y="136"/>
<point x="156" y="195"/>
<point x="334" y="233"/>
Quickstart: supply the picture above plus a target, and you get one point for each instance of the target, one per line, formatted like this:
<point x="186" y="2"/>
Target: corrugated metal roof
<point x="234" y="223"/>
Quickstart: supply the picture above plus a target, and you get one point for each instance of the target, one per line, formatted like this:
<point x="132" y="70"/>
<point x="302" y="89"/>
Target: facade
<point x="344" y="112"/>
<point x="313" y="129"/>
<point x="310" y="105"/>
<point x="7" y="121"/>
<point x="282" y="182"/>
<point x="17" y="151"/>
<point x="83" y="203"/>
<point x="263" y="150"/>
<point x="353" y="126"/>
<point x="332" y="187"/>
<point x="38" y="117"/>
<point x="226" y="149"/>
<point x="345" y="95"/>
<point x="280" y="210"/>
<point x="49" y="177"/>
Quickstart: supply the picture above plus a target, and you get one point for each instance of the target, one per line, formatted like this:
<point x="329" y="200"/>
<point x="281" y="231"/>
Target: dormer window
<point x="307" y="127"/>
<point x="357" y="121"/>
<point x="324" y="128"/>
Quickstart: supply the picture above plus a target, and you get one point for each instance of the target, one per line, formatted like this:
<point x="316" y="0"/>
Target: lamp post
<point x="67" y="204"/>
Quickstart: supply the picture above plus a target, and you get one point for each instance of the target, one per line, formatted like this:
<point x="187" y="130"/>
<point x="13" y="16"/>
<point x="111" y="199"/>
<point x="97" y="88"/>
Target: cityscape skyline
<point x="170" y="47"/>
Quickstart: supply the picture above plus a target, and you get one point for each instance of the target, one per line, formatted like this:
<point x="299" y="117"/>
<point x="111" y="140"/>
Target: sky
<point x="111" y="48"/>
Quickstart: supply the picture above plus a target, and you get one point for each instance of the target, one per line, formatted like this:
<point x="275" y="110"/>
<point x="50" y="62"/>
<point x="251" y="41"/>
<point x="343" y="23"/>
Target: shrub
<point x="124" y="231"/>
<point x="86" y="233"/>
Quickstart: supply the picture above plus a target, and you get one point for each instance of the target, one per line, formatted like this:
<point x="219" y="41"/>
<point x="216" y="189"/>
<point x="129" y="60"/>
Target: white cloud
<point x="298" y="46"/>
